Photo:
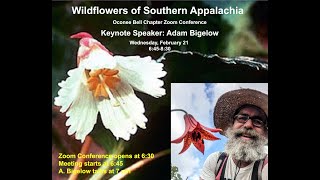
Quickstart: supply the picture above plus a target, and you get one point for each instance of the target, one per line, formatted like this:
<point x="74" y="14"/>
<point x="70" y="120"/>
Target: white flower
<point x="104" y="84"/>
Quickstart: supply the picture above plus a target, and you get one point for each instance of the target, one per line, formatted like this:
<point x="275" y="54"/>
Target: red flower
<point x="195" y="133"/>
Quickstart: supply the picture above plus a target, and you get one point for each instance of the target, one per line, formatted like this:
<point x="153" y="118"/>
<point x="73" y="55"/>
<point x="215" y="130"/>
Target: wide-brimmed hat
<point x="229" y="102"/>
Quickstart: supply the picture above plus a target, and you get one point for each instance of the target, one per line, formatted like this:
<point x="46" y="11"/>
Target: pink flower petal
<point x="187" y="143"/>
<point x="187" y="127"/>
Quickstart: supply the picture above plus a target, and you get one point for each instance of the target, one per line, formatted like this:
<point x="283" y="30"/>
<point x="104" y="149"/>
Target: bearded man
<point x="243" y="116"/>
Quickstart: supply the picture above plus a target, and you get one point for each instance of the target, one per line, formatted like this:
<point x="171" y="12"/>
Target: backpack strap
<point x="254" y="175"/>
<point x="257" y="168"/>
<point x="221" y="158"/>
<point x="220" y="167"/>
<point x="222" y="170"/>
<point x="263" y="162"/>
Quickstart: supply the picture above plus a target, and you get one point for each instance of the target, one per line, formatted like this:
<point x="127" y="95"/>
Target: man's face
<point x="256" y="121"/>
<point x="248" y="135"/>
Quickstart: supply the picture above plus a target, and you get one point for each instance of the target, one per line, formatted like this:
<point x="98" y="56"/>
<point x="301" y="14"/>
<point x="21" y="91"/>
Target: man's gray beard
<point x="245" y="150"/>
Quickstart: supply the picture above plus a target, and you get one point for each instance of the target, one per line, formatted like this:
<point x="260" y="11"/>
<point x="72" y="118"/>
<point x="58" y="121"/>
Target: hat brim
<point x="229" y="102"/>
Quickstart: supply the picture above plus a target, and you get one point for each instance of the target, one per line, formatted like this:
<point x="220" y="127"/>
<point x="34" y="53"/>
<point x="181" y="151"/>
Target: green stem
<point x="179" y="110"/>
<point x="106" y="164"/>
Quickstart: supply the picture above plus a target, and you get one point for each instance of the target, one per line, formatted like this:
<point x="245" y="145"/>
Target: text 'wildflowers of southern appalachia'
<point x="103" y="83"/>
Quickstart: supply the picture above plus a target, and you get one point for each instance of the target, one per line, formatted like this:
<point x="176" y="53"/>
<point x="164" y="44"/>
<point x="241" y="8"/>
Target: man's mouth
<point x="245" y="136"/>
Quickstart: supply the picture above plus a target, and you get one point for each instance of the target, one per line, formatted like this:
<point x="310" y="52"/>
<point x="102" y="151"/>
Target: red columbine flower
<point x="195" y="133"/>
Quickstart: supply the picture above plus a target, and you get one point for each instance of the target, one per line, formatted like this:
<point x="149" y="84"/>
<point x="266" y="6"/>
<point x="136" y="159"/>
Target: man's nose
<point x="248" y="124"/>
